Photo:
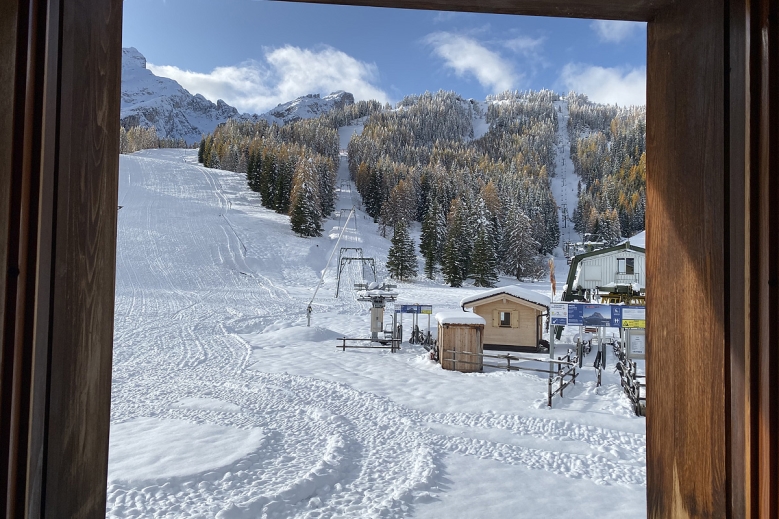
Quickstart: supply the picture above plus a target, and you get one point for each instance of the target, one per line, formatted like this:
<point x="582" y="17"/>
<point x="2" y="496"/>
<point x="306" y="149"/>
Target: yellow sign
<point x="633" y="323"/>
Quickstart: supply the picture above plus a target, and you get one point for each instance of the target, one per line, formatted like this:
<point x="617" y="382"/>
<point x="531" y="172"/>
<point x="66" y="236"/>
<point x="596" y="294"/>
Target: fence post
<point x="549" y="391"/>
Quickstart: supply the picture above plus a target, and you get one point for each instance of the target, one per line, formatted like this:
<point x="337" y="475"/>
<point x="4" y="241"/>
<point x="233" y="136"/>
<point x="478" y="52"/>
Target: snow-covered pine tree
<point x="402" y="260"/>
<point x="456" y="258"/>
<point x="483" y="268"/>
<point x="305" y="212"/>
<point x="521" y="251"/>
<point x="432" y="239"/>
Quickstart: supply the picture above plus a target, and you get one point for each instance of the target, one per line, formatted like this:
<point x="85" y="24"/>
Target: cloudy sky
<point x="257" y="54"/>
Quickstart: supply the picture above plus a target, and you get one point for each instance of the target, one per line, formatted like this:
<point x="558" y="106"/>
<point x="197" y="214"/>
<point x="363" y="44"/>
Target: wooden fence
<point x="633" y="383"/>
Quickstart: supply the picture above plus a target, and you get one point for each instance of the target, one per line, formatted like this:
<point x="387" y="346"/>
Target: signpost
<point x="416" y="311"/>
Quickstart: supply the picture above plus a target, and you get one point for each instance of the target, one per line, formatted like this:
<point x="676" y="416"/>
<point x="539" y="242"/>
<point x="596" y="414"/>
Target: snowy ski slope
<point x="226" y="405"/>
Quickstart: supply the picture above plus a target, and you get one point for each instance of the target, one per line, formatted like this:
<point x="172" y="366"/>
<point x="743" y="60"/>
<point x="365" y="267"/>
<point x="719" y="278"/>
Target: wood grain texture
<point x="635" y="10"/>
<point x="686" y="454"/>
<point x="82" y="298"/>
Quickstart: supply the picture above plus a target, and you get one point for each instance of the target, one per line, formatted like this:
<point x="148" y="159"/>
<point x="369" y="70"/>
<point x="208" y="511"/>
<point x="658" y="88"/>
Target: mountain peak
<point x="132" y="58"/>
<point x="149" y="100"/>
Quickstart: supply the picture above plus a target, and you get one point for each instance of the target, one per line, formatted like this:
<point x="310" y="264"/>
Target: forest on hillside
<point x="475" y="198"/>
<point x="608" y="150"/>
<point x="293" y="167"/>
<point x="484" y="202"/>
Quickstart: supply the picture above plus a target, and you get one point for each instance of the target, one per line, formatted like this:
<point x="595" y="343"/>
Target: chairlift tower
<point x="356" y="256"/>
<point x="378" y="295"/>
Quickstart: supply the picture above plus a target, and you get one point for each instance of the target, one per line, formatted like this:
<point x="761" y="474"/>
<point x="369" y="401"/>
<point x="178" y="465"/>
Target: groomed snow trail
<point x="210" y="342"/>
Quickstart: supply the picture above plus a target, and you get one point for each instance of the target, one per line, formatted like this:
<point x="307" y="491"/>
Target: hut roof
<point x="511" y="290"/>
<point x="459" y="317"/>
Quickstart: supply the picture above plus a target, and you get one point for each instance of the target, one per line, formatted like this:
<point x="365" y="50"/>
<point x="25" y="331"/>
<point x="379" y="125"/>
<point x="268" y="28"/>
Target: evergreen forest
<point x="483" y="199"/>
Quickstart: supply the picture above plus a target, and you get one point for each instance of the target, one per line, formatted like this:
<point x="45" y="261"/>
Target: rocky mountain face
<point x="149" y="100"/>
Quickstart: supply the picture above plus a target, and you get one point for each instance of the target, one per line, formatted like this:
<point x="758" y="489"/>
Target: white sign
<point x="637" y="344"/>
<point x="559" y="313"/>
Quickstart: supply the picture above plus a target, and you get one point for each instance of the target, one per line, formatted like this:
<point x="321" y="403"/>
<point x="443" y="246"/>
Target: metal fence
<point x="394" y="344"/>
<point x="562" y="376"/>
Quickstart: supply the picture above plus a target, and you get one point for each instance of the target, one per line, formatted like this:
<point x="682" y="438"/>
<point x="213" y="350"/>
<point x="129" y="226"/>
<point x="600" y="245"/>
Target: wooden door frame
<point x="712" y="225"/>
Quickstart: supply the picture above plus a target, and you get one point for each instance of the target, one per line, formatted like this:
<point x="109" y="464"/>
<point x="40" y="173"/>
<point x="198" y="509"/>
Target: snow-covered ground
<point x="225" y="404"/>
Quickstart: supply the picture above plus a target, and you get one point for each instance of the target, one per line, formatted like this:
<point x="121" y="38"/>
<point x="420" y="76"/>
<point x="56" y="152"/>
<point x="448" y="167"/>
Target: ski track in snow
<point x="199" y="265"/>
<point x="564" y="186"/>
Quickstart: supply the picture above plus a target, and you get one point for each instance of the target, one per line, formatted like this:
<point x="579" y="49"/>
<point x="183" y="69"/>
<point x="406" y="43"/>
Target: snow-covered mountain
<point x="308" y="107"/>
<point x="149" y="100"/>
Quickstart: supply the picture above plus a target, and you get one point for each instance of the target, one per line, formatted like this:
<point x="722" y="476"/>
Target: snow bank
<point x="150" y="449"/>
<point x="459" y="317"/>
<point x="511" y="290"/>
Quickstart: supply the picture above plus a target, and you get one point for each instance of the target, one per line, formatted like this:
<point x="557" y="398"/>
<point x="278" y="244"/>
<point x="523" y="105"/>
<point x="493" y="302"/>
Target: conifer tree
<point x="402" y="260"/>
<point x="456" y="258"/>
<point x="521" y="252"/>
<point x="305" y="212"/>
<point x="433" y="237"/>
<point x="483" y="268"/>
<point x="200" y="150"/>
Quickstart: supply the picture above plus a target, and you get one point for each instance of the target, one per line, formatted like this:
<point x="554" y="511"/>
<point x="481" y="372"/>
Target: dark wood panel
<point x="686" y="261"/>
<point x="8" y="17"/>
<point x="738" y="429"/>
<point x="636" y="10"/>
<point x="12" y="171"/>
<point x="81" y="324"/>
<point x="765" y="265"/>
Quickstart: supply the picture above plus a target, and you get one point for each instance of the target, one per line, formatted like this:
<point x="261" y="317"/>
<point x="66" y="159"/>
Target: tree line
<point x="293" y="167"/>
<point x="138" y="138"/>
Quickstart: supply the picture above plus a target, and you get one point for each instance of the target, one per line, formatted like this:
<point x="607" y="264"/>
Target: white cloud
<point x="606" y="85"/>
<point x="467" y="56"/>
<point x="287" y="72"/>
<point x="615" y="31"/>
<point x="525" y="45"/>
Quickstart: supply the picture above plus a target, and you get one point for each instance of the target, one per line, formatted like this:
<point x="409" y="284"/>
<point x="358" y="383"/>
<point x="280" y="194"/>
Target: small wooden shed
<point x="460" y="340"/>
<point x="512" y="315"/>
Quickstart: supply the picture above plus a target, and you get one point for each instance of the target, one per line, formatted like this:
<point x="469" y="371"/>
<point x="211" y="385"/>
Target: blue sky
<point x="257" y="54"/>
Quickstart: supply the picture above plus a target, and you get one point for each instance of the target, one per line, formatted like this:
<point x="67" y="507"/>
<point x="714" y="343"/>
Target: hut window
<point x="505" y="319"/>
<point x="625" y="265"/>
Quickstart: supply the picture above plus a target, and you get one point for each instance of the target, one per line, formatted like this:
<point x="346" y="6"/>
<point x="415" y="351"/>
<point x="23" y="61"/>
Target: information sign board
<point x="634" y="317"/>
<point x="416" y="309"/>
<point x="559" y="313"/>
<point x="598" y="316"/>
<point x="637" y="344"/>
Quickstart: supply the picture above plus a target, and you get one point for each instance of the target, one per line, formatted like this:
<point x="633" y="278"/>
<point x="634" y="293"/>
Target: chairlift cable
<point x="324" y="271"/>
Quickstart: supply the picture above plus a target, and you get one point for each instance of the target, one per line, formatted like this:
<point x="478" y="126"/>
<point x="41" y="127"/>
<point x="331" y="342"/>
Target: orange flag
<point x="551" y="277"/>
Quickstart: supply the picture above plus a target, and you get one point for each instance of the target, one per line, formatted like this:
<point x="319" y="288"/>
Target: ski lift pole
<point x="309" y="309"/>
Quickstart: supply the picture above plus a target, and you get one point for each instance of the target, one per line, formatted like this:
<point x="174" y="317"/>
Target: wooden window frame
<point x="500" y="320"/>
<point x="625" y="270"/>
<point x="712" y="235"/>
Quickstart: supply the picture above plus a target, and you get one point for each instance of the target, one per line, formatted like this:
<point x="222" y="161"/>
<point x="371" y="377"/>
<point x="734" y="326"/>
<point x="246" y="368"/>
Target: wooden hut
<point x="460" y="340"/>
<point x="512" y="315"/>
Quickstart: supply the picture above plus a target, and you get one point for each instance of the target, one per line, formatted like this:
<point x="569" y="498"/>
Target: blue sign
<point x="416" y="309"/>
<point x="598" y="316"/>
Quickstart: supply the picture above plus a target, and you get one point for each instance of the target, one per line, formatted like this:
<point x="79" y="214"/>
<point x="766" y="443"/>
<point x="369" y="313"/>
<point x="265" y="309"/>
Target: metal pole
<point x="322" y="279"/>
